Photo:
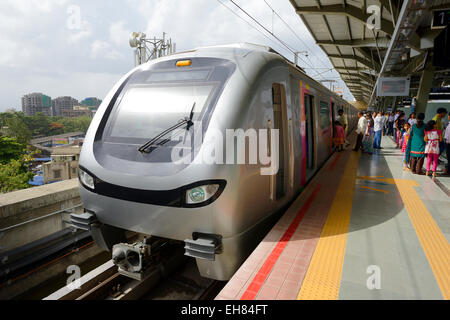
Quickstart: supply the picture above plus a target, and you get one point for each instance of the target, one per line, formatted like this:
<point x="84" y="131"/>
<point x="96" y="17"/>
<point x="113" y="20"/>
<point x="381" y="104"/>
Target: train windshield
<point x="153" y="99"/>
<point x="156" y="98"/>
<point x="145" y="111"/>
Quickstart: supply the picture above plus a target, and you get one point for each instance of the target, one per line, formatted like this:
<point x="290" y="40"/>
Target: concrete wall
<point x="24" y="205"/>
<point x="67" y="170"/>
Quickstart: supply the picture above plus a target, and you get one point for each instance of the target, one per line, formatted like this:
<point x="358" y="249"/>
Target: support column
<point x="394" y="105"/>
<point x="426" y="81"/>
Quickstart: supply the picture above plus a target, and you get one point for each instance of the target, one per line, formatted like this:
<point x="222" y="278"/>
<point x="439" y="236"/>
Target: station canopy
<point x="404" y="37"/>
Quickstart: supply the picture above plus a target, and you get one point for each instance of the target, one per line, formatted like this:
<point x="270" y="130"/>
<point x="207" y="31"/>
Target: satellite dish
<point x="133" y="40"/>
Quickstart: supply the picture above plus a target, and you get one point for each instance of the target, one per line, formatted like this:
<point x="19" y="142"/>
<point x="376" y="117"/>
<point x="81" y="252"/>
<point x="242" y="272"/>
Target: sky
<point x="80" y="48"/>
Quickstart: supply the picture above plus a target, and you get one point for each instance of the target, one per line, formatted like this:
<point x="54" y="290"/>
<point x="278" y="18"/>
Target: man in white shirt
<point x="447" y="146"/>
<point x="360" y="131"/>
<point x="378" y="128"/>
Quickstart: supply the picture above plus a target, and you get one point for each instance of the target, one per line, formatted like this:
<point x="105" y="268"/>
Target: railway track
<point x="173" y="277"/>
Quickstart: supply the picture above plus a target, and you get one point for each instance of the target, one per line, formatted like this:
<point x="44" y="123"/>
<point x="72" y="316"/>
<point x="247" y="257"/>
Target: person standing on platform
<point x="378" y="130"/>
<point x="412" y="119"/>
<point x="399" y="128"/>
<point x="405" y="139"/>
<point x="344" y="123"/>
<point x="339" y="136"/>
<point x="397" y="114"/>
<point x="447" y="146"/>
<point x="385" y="127"/>
<point x="440" y="114"/>
<point x="391" y="124"/>
<point x="415" y="150"/>
<point x="368" y="137"/>
<point x="433" y="137"/>
<point x="360" y="131"/>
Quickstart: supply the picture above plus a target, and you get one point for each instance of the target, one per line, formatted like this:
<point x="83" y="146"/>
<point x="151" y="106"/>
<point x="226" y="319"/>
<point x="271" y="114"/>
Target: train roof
<point x="244" y="49"/>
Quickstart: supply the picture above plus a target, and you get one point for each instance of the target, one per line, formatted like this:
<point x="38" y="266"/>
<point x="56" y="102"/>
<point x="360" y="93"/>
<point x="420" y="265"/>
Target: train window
<point x="280" y="115"/>
<point x="145" y="111"/>
<point x="309" y="103"/>
<point x="158" y="96"/>
<point x="324" y="115"/>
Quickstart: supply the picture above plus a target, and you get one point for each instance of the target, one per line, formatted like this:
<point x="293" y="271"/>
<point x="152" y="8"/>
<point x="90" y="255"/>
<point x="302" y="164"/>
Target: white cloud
<point x="84" y="32"/>
<point x="37" y="45"/>
<point x="102" y="49"/>
<point x="118" y="34"/>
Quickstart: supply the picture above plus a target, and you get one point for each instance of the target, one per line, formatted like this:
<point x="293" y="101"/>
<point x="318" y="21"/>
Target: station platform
<point x="362" y="229"/>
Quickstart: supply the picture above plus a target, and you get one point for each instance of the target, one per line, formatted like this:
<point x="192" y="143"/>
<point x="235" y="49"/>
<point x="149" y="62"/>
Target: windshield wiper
<point x="180" y="123"/>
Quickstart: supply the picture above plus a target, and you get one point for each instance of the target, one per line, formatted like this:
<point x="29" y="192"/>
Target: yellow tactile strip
<point x="322" y="280"/>
<point x="434" y="243"/>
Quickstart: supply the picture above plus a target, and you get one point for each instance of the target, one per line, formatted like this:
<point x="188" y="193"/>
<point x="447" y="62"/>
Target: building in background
<point x="92" y="102"/>
<point x="34" y="103"/>
<point x="63" y="103"/>
<point x="77" y="111"/>
<point x="63" y="164"/>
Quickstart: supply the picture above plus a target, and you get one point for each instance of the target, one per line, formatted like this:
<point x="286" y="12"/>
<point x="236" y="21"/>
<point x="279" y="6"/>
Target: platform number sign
<point x="441" y="18"/>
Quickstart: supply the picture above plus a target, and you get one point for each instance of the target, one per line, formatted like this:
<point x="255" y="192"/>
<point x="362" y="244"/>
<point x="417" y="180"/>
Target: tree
<point x="14" y="175"/>
<point x="76" y="124"/>
<point x="38" y="124"/>
<point x="10" y="149"/>
<point x="18" y="129"/>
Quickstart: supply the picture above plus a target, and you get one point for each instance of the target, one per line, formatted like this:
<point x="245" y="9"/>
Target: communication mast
<point x="148" y="49"/>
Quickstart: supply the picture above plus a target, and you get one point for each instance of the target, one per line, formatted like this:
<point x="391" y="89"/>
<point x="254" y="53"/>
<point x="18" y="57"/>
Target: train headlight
<point x="86" y="179"/>
<point x="201" y="193"/>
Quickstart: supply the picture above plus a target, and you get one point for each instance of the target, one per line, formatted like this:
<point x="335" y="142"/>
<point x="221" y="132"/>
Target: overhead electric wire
<point x="269" y="32"/>
<point x="301" y="40"/>
<point x="284" y="44"/>
<point x="294" y="33"/>
<point x="247" y="22"/>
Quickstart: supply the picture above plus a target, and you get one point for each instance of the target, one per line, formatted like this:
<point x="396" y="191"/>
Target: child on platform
<point x="432" y="137"/>
<point x="405" y="139"/>
<point x="339" y="136"/>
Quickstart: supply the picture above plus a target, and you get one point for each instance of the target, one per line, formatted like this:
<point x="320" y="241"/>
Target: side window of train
<point x="324" y="115"/>
<point x="309" y="119"/>
<point x="280" y="123"/>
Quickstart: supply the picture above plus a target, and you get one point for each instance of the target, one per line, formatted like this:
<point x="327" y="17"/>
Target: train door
<point x="279" y="181"/>
<point x="309" y="119"/>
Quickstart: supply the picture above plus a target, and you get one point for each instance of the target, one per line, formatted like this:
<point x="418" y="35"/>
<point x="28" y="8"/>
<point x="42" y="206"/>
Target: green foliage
<point x="38" y="124"/>
<point x="76" y="124"/>
<point x="10" y="149"/>
<point x="18" y="129"/>
<point x="23" y="127"/>
<point x="14" y="175"/>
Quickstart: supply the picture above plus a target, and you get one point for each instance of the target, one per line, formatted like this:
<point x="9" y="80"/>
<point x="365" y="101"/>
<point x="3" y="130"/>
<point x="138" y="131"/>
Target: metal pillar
<point x="426" y="82"/>
<point x="394" y="105"/>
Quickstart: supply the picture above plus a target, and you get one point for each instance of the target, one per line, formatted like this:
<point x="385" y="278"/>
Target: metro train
<point x="129" y="180"/>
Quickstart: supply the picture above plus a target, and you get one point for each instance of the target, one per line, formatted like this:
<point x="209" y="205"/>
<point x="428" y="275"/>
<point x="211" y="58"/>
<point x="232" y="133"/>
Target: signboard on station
<point x="393" y="87"/>
<point x="441" y="18"/>
<point x="406" y="101"/>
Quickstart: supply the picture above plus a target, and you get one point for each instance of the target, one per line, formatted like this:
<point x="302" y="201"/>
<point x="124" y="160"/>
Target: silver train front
<point x="248" y="200"/>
